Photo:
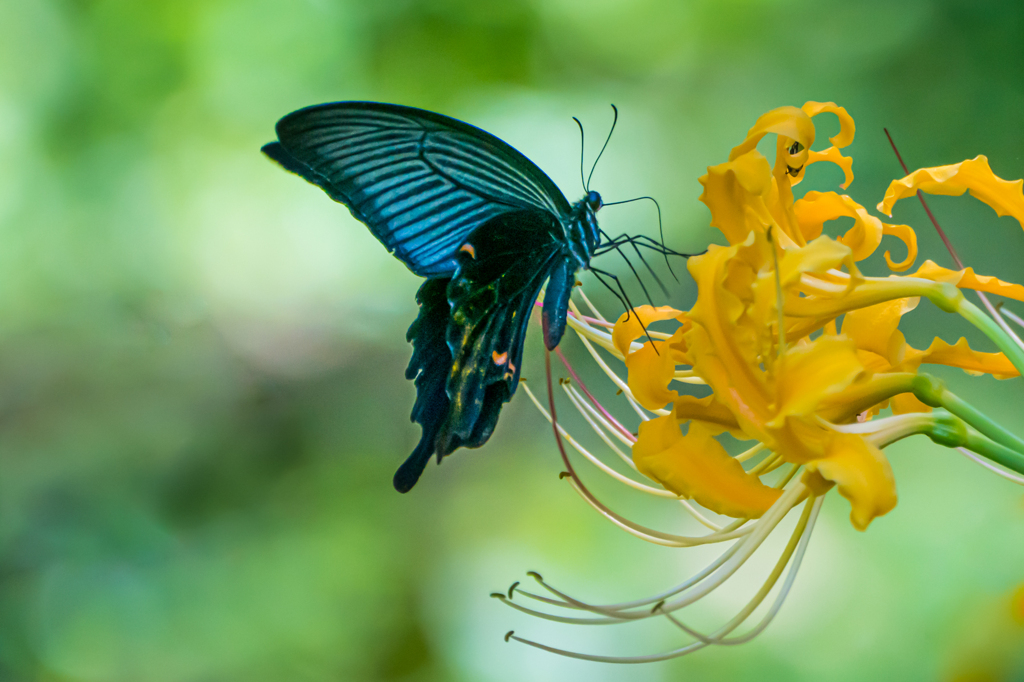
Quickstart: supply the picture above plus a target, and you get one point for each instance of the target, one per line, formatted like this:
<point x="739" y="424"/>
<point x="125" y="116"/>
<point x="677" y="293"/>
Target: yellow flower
<point x="797" y="353"/>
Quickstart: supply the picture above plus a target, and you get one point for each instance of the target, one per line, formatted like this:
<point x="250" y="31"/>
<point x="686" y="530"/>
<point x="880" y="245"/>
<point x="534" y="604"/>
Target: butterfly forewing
<point x="420" y="181"/>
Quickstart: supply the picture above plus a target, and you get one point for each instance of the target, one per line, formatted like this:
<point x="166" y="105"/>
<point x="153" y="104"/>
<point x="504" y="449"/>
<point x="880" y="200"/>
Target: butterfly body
<point x="484" y="225"/>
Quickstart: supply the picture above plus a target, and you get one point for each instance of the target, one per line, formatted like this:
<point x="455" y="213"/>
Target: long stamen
<point x="594" y="460"/>
<point x="567" y="602"/>
<point x="601" y="428"/>
<point x="622" y="429"/>
<point x="719" y="636"/>
<point x="1008" y="475"/>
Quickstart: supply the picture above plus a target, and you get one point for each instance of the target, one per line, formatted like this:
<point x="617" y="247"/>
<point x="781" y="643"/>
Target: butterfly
<point x="482" y="223"/>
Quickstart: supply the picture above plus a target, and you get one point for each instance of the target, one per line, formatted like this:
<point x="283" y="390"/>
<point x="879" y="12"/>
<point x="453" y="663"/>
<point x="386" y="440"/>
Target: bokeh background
<point x="201" y="358"/>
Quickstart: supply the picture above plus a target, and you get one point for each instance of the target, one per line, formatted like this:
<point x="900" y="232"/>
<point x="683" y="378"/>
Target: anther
<point x="511" y="588"/>
<point x="563" y="474"/>
<point x="498" y="595"/>
<point x="657" y="607"/>
<point x="535" y="575"/>
<point x="509" y="634"/>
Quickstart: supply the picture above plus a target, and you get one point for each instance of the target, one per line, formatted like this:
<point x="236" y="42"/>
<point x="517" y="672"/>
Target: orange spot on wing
<point x="468" y="248"/>
<point x="499" y="359"/>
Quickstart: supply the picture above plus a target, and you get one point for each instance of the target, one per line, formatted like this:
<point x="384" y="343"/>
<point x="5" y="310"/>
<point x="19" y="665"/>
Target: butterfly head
<point x="593" y="201"/>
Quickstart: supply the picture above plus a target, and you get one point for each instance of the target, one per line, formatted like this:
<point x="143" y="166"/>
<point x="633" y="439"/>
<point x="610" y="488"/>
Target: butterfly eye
<point x="594" y="201"/>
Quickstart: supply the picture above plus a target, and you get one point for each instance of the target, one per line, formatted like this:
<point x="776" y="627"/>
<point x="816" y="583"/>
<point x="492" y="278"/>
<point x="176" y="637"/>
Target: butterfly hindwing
<point x="421" y="182"/>
<point x="429" y="368"/>
<point x="502" y="267"/>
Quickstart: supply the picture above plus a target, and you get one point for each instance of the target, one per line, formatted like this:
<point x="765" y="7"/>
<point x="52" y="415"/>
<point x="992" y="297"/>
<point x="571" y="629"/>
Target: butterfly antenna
<point x="623" y="299"/>
<point x="661" y="229"/>
<point x="615" y="120"/>
<point x="581" y="153"/>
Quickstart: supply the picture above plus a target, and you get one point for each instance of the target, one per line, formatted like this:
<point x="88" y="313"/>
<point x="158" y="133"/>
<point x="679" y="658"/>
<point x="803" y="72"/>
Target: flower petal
<point x="714" y="415"/>
<point x="819" y="256"/>
<point x="812" y="372"/>
<point x="906" y="234"/>
<point x="816" y="208"/>
<point x="697" y="466"/>
<point x="863" y="475"/>
<point x="630" y="325"/>
<point x="735" y="193"/>
<point x="971" y="361"/>
<point x="1005" y="196"/>
<point x="650" y="370"/>
<point x="846" y="126"/>
<point x="833" y="155"/>
<point x="786" y="122"/>
<point x="874" y="328"/>
<point x="966" y="279"/>
<point x="905" y="403"/>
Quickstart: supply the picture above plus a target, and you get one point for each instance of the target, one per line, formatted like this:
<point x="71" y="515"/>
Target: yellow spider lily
<point x="800" y="352"/>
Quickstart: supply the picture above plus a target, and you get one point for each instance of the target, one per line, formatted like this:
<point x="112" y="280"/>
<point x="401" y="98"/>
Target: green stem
<point x="1000" y="454"/>
<point x="986" y="324"/>
<point x="949" y="431"/>
<point x="932" y="391"/>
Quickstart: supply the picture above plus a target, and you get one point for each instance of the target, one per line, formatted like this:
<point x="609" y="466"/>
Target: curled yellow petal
<point x="971" y="361"/>
<point x="835" y="156"/>
<point x="967" y="279"/>
<point x="816" y="208"/>
<point x="974" y="175"/>
<point x="697" y="466"/>
<point x="846" y="126"/>
<point x="785" y="121"/>
<point x="863" y="476"/>
<point x="906" y="234"/>
<point x="650" y="370"/>
<point x="630" y="325"/>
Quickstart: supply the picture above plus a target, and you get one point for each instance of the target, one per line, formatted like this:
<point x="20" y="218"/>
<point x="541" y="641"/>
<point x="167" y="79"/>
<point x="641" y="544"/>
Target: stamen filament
<point x="619" y="427"/>
<point x="594" y="460"/>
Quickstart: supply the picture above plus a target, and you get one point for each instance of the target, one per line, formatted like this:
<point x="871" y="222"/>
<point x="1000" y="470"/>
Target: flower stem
<point x="988" y="326"/>
<point x="932" y="391"/>
<point x="998" y="453"/>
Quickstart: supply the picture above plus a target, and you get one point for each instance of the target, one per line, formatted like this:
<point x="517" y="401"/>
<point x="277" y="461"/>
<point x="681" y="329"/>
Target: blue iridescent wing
<point x="421" y="182"/>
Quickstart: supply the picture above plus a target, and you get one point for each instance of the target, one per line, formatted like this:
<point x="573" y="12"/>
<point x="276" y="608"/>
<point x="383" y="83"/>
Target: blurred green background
<point x="201" y="358"/>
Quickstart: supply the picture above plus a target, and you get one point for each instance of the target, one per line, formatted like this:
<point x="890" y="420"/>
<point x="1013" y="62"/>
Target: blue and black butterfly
<point x="485" y="227"/>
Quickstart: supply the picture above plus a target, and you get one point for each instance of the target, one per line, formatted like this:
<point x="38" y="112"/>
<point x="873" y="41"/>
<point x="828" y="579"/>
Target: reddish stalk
<point x="597" y="405"/>
<point x="931" y="216"/>
<point x="992" y="310"/>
